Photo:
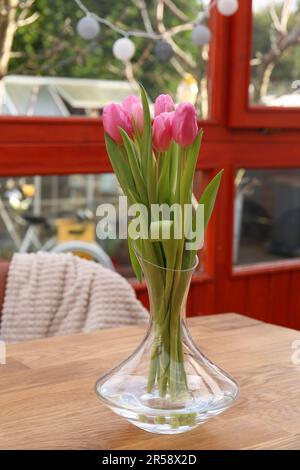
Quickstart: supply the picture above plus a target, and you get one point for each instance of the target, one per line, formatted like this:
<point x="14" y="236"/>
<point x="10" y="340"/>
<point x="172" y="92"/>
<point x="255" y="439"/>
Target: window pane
<point x="266" y="215"/>
<point x="48" y="212"/>
<point x="50" y="70"/>
<point x="40" y="213"/>
<point x="275" y="65"/>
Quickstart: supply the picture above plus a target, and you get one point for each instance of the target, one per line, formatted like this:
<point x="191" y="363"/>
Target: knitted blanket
<point x="56" y="294"/>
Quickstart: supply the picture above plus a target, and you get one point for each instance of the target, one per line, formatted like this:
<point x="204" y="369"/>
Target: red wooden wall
<point x="233" y="139"/>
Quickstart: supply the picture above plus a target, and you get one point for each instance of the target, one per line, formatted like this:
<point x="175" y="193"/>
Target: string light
<point x="201" y="35"/>
<point x="88" y="27"/>
<point x="163" y="51"/>
<point x="123" y="49"/>
<point x="227" y="7"/>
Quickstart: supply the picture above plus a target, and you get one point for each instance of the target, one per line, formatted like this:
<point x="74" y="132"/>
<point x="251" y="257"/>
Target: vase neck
<point x="167" y="290"/>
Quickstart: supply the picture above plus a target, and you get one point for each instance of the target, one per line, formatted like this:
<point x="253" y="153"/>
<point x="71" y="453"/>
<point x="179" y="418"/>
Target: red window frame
<point x="241" y="113"/>
<point x="57" y="146"/>
<point x="50" y="145"/>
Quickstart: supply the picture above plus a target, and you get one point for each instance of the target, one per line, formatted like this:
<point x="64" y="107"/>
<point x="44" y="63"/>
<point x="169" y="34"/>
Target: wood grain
<point x="47" y="399"/>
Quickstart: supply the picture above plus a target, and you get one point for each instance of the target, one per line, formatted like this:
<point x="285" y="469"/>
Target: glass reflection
<point x="275" y="65"/>
<point x="266" y="215"/>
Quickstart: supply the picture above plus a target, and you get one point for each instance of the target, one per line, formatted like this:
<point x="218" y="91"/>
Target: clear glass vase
<point x="167" y="385"/>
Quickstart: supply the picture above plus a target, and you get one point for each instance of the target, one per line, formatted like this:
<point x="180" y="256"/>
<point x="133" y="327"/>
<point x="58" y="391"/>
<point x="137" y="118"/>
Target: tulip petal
<point x="163" y="104"/>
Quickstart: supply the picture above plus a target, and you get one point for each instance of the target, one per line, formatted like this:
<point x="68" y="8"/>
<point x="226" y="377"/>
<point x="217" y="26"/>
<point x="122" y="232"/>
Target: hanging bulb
<point x="88" y="27"/>
<point x="123" y="49"/>
<point x="163" y="51"/>
<point x="201" y="35"/>
<point x="228" y="7"/>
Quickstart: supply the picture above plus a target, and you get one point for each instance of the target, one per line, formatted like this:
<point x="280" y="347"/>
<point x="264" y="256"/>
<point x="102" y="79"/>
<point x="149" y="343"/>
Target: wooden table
<point x="47" y="399"/>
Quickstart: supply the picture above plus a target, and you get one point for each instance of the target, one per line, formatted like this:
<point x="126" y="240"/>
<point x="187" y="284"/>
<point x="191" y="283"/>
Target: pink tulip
<point x="162" y="131"/>
<point x="129" y="101"/>
<point x="115" y="117"/>
<point x="163" y="104"/>
<point x="133" y="106"/>
<point x="137" y="113"/>
<point x="184" y="124"/>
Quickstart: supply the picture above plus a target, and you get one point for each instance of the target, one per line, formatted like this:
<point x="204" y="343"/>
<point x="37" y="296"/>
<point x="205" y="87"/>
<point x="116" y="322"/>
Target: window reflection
<point x="42" y="213"/>
<point x="45" y="212"/>
<point x="275" y="65"/>
<point x="266" y="215"/>
<point x="48" y="69"/>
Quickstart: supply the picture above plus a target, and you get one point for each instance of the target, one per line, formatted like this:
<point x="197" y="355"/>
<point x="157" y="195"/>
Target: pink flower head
<point x="114" y="118"/>
<point x="162" y="131"/>
<point x="163" y="104"/>
<point x="184" y="124"/>
<point x="129" y="101"/>
<point x="133" y="106"/>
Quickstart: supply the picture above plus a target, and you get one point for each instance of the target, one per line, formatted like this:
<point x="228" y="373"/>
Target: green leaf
<point x="207" y="199"/>
<point x="146" y="148"/>
<point x="120" y="167"/>
<point x="164" y="162"/>
<point x="134" y="165"/>
<point x="152" y="179"/>
<point x="134" y="261"/>
<point x="189" y="169"/>
<point x="209" y="196"/>
<point x="137" y="138"/>
<point x="134" y="197"/>
<point x="170" y="251"/>
<point x="148" y="162"/>
<point x="174" y="170"/>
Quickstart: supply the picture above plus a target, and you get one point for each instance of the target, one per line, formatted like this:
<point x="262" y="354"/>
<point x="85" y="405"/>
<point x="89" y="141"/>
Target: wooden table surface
<point x="47" y="398"/>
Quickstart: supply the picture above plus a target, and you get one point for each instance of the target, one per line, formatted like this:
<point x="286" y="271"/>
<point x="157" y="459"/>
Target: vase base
<point x="150" y="413"/>
<point x="168" y="424"/>
<point x="163" y="429"/>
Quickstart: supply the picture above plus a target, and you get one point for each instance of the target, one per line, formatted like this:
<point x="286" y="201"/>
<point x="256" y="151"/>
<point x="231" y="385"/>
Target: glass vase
<point x="167" y="385"/>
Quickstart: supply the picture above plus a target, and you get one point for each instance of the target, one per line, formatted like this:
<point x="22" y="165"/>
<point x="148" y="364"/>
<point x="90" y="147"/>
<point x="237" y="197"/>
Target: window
<point x="43" y="212"/>
<point x="47" y="212"/>
<point x="275" y="66"/>
<point x="264" y="87"/>
<point x="51" y="71"/>
<point x="266" y="215"/>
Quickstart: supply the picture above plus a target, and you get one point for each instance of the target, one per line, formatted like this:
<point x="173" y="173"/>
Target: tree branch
<point x="274" y="17"/>
<point x="281" y="40"/>
<point x="25" y="6"/>
<point x="285" y="14"/>
<point x="8" y="12"/>
<point x="28" y="20"/>
<point x="141" y="4"/>
<point x="129" y="73"/>
<point x="175" y="10"/>
<point x="163" y="31"/>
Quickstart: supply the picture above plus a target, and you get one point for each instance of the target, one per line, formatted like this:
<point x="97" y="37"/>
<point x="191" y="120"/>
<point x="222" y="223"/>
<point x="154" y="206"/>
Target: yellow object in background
<point x="68" y="230"/>
<point x="187" y="89"/>
<point x="28" y="190"/>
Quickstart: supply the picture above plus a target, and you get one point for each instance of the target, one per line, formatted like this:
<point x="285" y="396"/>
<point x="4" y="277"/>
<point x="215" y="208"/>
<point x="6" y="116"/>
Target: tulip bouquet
<point x="155" y="165"/>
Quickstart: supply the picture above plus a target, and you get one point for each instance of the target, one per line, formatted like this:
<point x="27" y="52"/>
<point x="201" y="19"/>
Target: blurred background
<point x="238" y="62"/>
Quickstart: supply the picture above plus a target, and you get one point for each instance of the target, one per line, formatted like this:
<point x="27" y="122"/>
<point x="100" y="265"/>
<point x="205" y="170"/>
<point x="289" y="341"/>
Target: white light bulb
<point x="124" y="49"/>
<point x="201" y="35"/>
<point x="228" y="7"/>
<point x="88" y="27"/>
